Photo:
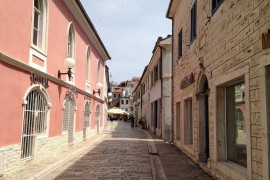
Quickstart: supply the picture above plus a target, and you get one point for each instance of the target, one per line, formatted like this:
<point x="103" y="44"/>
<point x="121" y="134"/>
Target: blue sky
<point x="129" y="30"/>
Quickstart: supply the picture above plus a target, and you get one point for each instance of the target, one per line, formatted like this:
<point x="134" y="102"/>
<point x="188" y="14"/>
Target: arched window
<point x="35" y="111"/>
<point x="98" y="72"/>
<point x="88" y="65"/>
<point x="71" y="42"/>
<point x="39" y="24"/>
<point x="71" y="49"/>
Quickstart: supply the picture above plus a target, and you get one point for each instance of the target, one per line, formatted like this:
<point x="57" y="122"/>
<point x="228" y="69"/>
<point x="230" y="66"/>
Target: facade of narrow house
<point x="52" y="74"/>
<point x="221" y="85"/>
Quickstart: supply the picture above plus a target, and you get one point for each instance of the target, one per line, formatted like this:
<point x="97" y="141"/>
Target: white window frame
<point x="42" y="46"/>
<point x="40" y="51"/>
<point x="264" y="63"/>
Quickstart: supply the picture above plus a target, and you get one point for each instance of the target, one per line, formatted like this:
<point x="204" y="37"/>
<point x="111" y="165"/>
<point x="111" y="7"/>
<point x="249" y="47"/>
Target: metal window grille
<point x="68" y="118"/>
<point x="34" y="122"/>
<point x="87" y="114"/>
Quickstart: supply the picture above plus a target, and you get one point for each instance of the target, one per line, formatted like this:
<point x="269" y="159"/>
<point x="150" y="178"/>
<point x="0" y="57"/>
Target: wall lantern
<point x="99" y="86"/>
<point x="69" y="64"/>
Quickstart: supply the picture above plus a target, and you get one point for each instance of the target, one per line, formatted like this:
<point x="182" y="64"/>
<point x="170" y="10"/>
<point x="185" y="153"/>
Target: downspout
<point x="161" y="81"/>
<point x="172" y="89"/>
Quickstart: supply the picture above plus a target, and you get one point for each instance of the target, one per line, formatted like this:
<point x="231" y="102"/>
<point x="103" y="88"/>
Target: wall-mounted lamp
<point x="69" y="64"/>
<point x="99" y="86"/>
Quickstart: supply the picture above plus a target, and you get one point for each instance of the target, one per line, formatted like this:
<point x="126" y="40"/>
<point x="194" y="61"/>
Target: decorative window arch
<point x="39" y="24"/>
<point x="36" y="105"/>
<point x="88" y="65"/>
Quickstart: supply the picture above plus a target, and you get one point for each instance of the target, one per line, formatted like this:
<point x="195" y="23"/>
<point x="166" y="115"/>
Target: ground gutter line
<point x="158" y="172"/>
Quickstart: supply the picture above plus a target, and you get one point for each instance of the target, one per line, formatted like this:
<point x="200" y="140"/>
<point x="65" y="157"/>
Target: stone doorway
<point x="203" y="102"/>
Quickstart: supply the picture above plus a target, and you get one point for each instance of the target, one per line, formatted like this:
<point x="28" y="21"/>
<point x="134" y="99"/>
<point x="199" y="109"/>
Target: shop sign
<point x="187" y="81"/>
<point x="36" y="79"/>
<point x="266" y="40"/>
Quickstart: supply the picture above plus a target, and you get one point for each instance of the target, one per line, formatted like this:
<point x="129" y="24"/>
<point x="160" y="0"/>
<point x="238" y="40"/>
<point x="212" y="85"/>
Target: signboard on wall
<point x="36" y="79"/>
<point x="187" y="81"/>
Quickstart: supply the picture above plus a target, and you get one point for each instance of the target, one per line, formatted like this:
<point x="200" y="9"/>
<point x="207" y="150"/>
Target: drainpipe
<point x="161" y="80"/>
<point x="172" y="100"/>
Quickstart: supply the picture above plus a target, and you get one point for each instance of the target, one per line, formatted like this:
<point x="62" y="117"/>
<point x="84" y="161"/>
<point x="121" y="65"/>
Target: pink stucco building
<point x="43" y="111"/>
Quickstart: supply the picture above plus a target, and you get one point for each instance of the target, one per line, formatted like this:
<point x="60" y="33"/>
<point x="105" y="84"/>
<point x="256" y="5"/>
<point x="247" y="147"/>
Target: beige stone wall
<point x="226" y="42"/>
<point x="45" y="147"/>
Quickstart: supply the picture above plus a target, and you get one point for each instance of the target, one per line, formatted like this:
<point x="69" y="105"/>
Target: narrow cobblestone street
<point x="128" y="153"/>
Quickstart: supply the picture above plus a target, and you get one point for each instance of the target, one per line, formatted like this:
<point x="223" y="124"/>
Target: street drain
<point x="155" y="154"/>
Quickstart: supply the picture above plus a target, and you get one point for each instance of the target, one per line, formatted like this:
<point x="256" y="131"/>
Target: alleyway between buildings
<point x="120" y="152"/>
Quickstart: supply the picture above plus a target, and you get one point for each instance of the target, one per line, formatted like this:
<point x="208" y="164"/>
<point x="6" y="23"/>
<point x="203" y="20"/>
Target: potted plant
<point x="143" y="123"/>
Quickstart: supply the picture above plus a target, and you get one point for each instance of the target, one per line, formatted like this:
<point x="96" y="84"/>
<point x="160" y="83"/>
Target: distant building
<point x="152" y="102"/>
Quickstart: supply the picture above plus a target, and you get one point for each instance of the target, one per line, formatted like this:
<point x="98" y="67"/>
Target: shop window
<point x="39" y="24"/>
<point x="188" y="122"/>
<point x="235" y="121"/>
<point x="193" y="21"/>
<point x="231" y="123"/>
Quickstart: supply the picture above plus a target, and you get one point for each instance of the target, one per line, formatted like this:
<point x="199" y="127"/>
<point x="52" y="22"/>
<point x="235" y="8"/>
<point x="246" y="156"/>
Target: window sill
<point x="234" y="170"/>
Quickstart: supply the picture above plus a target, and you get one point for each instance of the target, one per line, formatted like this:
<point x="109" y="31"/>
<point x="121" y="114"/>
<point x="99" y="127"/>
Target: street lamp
<point x="99" y="86"/>
<point x="69" y="64"/>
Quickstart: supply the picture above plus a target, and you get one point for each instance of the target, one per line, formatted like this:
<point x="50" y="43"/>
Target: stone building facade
<point x="221" y="85"/>
<point x="153" y="93"/>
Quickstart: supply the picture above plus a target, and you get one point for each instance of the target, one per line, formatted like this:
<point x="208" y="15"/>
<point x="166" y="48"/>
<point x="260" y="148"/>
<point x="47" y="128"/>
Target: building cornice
<point x="18" y="64"/>
<point x="83" y="19"/>
<point x="172" y="8"/>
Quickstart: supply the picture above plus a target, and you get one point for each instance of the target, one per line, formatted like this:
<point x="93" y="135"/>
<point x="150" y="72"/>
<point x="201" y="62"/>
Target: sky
<point x="129" y="30"/>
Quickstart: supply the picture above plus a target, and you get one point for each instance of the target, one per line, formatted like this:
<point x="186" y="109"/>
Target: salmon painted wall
<point x="15" y="41"/>
<point x="15" y="31"/>
<point x="59" y="20"/>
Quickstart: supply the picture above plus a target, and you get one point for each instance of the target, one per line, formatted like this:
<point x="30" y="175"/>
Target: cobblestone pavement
<point x="129" y="153"/>
<point x="121" y="152"/>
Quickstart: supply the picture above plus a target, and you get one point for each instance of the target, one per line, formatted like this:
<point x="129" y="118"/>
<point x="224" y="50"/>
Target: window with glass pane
<point x="37" y="24"/>
<point x="88" y="67"/>
<point x="193" y="15"/>
<point x="235" y="122"/>
<point x="180" y="44"/>
<point x="70" y="43"/>
<point x="215" y="5"/>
